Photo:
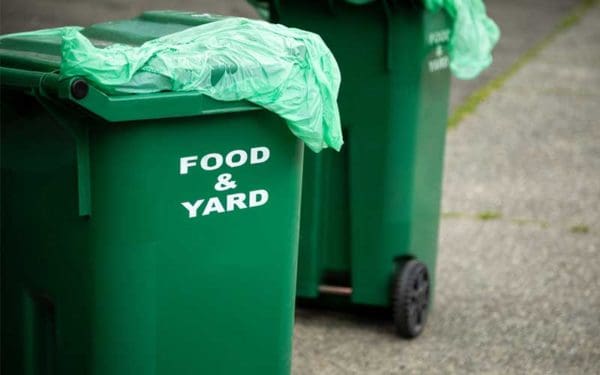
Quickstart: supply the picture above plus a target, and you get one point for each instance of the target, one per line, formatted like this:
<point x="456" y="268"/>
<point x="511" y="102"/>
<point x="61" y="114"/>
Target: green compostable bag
<point x="473" y="38"/>
<point x="288" y="71"/>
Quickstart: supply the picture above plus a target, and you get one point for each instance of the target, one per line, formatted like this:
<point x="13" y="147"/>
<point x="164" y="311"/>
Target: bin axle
<point x="336" y="290"/>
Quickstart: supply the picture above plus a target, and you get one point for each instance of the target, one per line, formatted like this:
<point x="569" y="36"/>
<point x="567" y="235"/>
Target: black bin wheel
<point x="410" y="298"/>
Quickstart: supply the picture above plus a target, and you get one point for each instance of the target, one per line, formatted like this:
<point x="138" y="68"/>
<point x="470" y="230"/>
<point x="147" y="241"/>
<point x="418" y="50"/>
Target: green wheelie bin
<point x="144" y="233"/>
<point x="370" y="215"/>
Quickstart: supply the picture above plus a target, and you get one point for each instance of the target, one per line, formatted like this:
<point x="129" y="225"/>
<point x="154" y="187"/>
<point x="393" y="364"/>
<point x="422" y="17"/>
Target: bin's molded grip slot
<point x="84" y="186"/>
<point x="153" y="106"/>
<point x="40" y="333"/>
<point x="387" y="9"/>
<point x="81" y="136"/>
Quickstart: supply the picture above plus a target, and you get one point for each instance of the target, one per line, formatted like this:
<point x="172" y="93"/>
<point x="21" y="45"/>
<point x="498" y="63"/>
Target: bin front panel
<point x="325" y="222"/>
<point x="185" y="265"/>
<point x="393" y="103"/>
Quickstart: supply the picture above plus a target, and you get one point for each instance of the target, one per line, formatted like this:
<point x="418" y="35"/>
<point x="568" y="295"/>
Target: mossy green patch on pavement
<point x="580" y="229"/>
<point x="484" y="215"/>
<point x="489" y="215"/>
<point x="479" y="96"/>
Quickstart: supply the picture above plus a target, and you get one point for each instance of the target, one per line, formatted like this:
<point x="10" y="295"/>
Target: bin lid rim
<point x="24" y="57"/>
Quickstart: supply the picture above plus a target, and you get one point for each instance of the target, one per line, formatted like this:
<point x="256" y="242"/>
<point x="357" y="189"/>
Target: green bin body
<point x="378" y="201"/>
<point x="104" y="269"/>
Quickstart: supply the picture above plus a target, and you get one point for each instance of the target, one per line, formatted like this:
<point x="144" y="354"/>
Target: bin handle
<point x="44" y="85"/>
<point x="81" y="136"/>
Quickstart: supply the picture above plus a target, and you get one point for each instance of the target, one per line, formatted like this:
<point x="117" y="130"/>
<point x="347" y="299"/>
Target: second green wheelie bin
<point x="370" y="215"/>
<point x="142" y="233"/>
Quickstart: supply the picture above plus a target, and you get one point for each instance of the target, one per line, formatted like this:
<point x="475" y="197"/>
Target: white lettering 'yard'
<point x="233" y="202"/>
<point x="439" y="63"/>
<point x="193" y="208"/>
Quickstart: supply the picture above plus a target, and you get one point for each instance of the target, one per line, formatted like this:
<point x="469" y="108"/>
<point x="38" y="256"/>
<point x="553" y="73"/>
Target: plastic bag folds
<point x="288" y="71"/>
<point x="473" y="38"/>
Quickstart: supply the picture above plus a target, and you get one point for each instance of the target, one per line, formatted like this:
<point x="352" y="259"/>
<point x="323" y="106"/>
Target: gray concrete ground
<point x="519" y="294"/>
<point x="522" y="24"/>
<point x="516" y="294"/>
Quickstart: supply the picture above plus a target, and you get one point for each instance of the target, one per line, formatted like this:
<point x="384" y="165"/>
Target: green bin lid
<point x="32" y="63"/>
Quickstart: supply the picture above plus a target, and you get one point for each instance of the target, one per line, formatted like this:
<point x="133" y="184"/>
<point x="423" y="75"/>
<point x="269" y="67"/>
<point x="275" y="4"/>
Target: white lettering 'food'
<point x="259" y="155"/>
<point x="216" y="164"/>
<point x="233" y="159"/>
<point x="440" y="36"/>
<point x="241" y="155"/>
<point x="186" y="162"/>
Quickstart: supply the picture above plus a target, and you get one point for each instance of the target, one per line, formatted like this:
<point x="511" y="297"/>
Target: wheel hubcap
<point x="419" y="300"/>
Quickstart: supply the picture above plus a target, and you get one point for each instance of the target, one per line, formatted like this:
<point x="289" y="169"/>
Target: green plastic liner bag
<point x="473" y="38"/>
<point x="288" y="71"/>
